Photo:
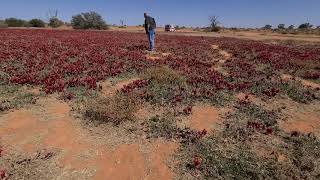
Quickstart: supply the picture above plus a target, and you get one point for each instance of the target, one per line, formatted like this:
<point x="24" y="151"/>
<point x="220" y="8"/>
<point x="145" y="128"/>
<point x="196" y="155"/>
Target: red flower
<point x="3" y="173"/>
<point x="269" y="131"/>
<point x="197" y="162"/>
<point x="187" y="110"/>
<point x="295" y="134"/>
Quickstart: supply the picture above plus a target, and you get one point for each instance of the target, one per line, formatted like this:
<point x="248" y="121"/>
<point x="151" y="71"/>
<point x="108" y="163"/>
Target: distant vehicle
<point x="170" y="28"/>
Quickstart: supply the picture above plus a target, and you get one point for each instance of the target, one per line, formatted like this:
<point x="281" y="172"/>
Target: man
<point x="150" y="26"/>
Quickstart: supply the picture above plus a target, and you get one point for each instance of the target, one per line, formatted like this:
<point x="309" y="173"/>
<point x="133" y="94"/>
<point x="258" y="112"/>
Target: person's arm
<point x="146" y="25"/>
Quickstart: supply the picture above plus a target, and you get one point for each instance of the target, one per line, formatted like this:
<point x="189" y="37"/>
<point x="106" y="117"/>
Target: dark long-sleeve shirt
<point x="149" y="23"/>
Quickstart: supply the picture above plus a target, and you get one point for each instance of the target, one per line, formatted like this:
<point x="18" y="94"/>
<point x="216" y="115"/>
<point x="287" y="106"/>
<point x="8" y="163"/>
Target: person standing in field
<point x="150" y="26"/>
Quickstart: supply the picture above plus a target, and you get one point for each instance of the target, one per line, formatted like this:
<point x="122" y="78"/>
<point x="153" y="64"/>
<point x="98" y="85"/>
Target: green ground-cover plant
<point x="15" y="97"/>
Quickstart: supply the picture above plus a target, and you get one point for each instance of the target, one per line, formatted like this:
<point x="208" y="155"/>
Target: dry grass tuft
<point x="115" y="109"/>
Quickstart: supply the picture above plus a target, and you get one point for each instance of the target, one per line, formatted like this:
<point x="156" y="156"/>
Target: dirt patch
<point x="126" y="162"/>
<point x="306" y="83"/>
<point x="154" y="56"/>
<point x="205" y="117"/>
<point x="222" y="53"/>
<point x="250" y="97"/>
<point x="19" y="128"/>
<point x="80" y="154"/>
<point x="304" y="118"/>
<point x="129" y="162"/>
<point x="36" y="91"/>
<point x="159" y="155"/>
<point x="304" y="122"/>
<point x="223" y="57"/>
<point x="268" y="152"/>
<point x="109" y="89"/>
<point x="147" y="111"/>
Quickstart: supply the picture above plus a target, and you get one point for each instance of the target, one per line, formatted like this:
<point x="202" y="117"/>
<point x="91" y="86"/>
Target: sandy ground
<point x="53" y="143"/>
<point x="253" y="35"/>
<point x="80" y="153"/>
<point x="78" y="150"/>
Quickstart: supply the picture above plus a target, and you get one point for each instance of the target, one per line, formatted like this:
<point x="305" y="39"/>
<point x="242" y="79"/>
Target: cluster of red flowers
<point x="57" y="60"/>
<point x="3" y="173"/>
<point x="312" y="75"/>
<point x="255" y="126"/>
<point x="134" y="85"/>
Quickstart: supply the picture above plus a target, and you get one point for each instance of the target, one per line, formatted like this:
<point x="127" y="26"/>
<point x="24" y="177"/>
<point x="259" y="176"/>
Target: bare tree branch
<point x="214" y="22"/>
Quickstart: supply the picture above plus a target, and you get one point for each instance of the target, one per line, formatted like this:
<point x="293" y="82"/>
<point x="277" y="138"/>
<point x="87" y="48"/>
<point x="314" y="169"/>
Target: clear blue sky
<point x="239" y="13"/>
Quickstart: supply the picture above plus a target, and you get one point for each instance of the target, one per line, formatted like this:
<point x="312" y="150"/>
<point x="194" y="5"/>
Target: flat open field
<point x="97" y="105"/>
<point x="260" y="35"/>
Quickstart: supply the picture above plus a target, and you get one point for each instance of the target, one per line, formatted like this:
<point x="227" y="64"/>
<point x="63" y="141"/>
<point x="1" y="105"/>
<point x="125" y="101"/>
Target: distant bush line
<point x="93" y="20"/>
<point x="88" y="20"/>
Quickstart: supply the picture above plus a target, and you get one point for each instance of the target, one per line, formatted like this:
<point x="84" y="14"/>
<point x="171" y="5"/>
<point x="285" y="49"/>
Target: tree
<point x="37" y="23"/>
<point x="89" y="20"/>
<point x="214" y="23"/>
<point x="305" y="26"/>
<point x="291" y="27"/>
<point x="54" y="21"/>
<point x="281" y="26"/>
<point x="14" y="22"/>
<point x="318" y="27"/>
<point x="268" y="26"/>
<point x="122" y="22"/>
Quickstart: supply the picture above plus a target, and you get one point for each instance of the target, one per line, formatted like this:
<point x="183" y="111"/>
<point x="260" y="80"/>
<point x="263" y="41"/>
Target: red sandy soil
<point x="51" y="127"/>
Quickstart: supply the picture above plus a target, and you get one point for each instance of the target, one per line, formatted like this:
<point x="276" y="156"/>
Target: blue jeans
<point x="152" y="35"/>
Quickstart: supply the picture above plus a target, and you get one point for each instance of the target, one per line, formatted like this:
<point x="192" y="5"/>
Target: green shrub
<point x="257" y="112"/>
<point x="297" y="92"/>
<point x="291" y="27"/>
<point x="164" y="83"/>
<point x="281" y="26"/>
<point x="37" y="23"/>
<point x="163" y="127"/>
<point x="14" y="22"/>
<point x="165" y="76"/>
<point x="216" y="158"/>
<point x="13" y="97"/>
<point x="215" y="29"/>
<point x="89" y="20"/>
<point x="55" y="22"/>
<point x="267" y="27"/>
<point x="115" y="109"/>
<point x="305" y="26"/>
<point x="305" y="155"/>
<point x="3" y="24"/>
<point x="166" y="127"/>
<point x="4" y="78"/>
